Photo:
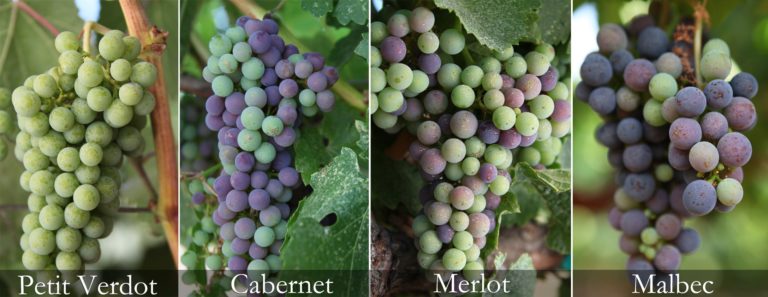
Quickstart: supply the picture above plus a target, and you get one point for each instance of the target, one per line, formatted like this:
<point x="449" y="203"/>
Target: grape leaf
<point x="559" y="235"/>
<point x="317" y="8"/>
<point x="341" y="51"/>
<point x="340" y="250"/>
<point x="497" y="24"/>
<point x="362" y="143"/>
<point x="558" y="180"/>
<point x="362" y="47"/>
<point x="351" y="10"/>
<point x="521" y="276"/>
<point x="394" y="182"/>
<point x="529" y="201"/>
<point x="507" y="206"/>
<point x="554" y="24"/>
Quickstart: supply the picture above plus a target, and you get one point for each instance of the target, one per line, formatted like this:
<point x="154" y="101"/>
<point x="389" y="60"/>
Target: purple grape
<point x="652" y="42"/>
<point x="227" y="231"/>
<point x="713" y="126"/>
<point x="244" y="228"/>
<point x="240" y="181"/>
<point x="513" y="98"/>
<point x="659" y="202"/>
<point x="668" y="226"/>
<point x="607" y="136"/>
<point x="270" y="25"/>
<point x="244" y="162"/>
<point x="274" y="188"/>
<point x="614" y="218"/>
<point x="655" y="134"/>
<point x="603" y="100"/>
<point x="435" y="102"/>
<point x="289" y="88"/>
<point x="229" y="118"/>
<point x="667" y="258"/>
<point x="688" y="240"/>
<point x="509" y="139"/>
<point x="240" y="246"/>
<point x="445" y="233"/>
<point x="741" y="114"/>
<point x="582" y="91"/>
<point x="690" y="102"/>
<point x="719" y="94"/>
<point x="214" y="122"/>
<point x="637" y="157"/>
<point x="620" y="59"/>
<point x="562" y="111"/>
<point x="326" y="100"/>
<point x="639" y="186"/>
<point x="633" y="222"/>
<point x="684" y="133"/>
<point x="257" y="252"/>
<point x="214" y="105"/>
<point x="678" y="159"/>
<point x="269" y="78"/>
<point x="240" y="22"/>
<point x="290" y="50"/>
<point x="286" y="138"/>
<point x="284" y="69"/>
<point x="492" y="200"/>
<point x="237" y="201"/>
<point x="253" y="25"/>
<point x="282" y="160"/>
<point x="630" y="130"/>
<point x="229" y="136"/>
<point x="463" y="124"/>
<point x="530" y="85"/>
<point x="303" y="69"/>
<point x="288" y="176"/>
<point x="432" y="161"/>
<point x="317" y="60"/>
<point x="285" y="210"/>
<point x="413" y="110"/>
<point x="487" y="132"/>
<point x="331" y="74"/>
<point x="271" y="57"/>
<point x="270" y="216"/>
<point x="273" y="95"/>
<point x="744" y="85"/>
<point x="259" y="179"/>
<point x="287" y="114"/>
<point x="638" y="74"/>
<point x="258" y="199"/>
<point x="616" y="157"/>
<point x="260" y="41"/>
<point x="198" y="198"/>
<point x="429" y="63"/>
<point x="237" y="264"/>
<point x="628" y="244"/>
<point x="392" y="49"/>
<point x="416" y="149"/>
<point x="487" y="172"/>
<point x="596" y="70"/>
<point x="699" y="197"/>
<point x="549" y="79"/>
<point x="735" y="149"/>
<point x="526" y="141"/>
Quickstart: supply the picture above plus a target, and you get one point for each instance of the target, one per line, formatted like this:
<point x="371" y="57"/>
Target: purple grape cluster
<point x="677" y="153"/>
<point x="261" y="88"/>
<point x="198" y="143"/>
<point x="472" y="123"/>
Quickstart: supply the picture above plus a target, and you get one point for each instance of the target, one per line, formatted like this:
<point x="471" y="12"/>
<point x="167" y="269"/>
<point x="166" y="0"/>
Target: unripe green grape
<point x="378" y="32"/>
<point x="425" y="260"/>
<point x="538" y="64"/>
<point x="547" y="50"/>
<point x="421" y="224"/>
<point x="66" y="184"/>
<point x="228" y="63"/>
<point x="729" y="192"/>
<point x="473" y="270"/>
<point x="99" y="133"/>
<point x="30" y="222"/>
<point x="663" y="172"/>
<point x="265" y="153"/>
<point x="51" y="217"/>
<point x="189" y="259"/>
<point x="41" y="241"/>
<point x="453" y="150"/>
<point x="258" y="268"/>
<point x="492" y="81"/>
<point x="99" y="99"/>
<point x="652" y="113"/>
<point x="649" y="236"/>
<point x="449" y="75"/>
<point x="429" y="242"/>
<point x="264" y="236"/>
<point x="108" y="189"/>
<point x="454" y="260"/>
<point x="35" y="203"/>
<point x="220" y="45"/>
<point x="90" y="73"/>
<point x="111" y="46"/>
<point x="68" y="239"/>
<point x="68" y="261"/>
<point x="475" y="147"/>
<point x="89" y="250"/>
<point x="473" y="253"/>
<point x="24" y="180"/>
<point x="716" y="45"/>
<point x="83" y="113"/>
<point x="428" y="42"/>
<point x="66" y="41"/>
<point x="45" y="86"/>
<point x="41" y="182"/>
<point x="247" y="84"/>
<point x="24" y="242"/>
<point x="459" y="221"/>
<point x="504" y="118"/>
<point x="472" y="76"/>
<point x="144" y="73"/>
<point x="91" y="154"/>
<point x="129" y="139"/>
<point x="222" y="86"/>
<point x="36" y="125"/>
<point x="130" y="94"/>
<point x="50" y="144"/>
<point x="307" y="97"/>
<point x="527" y="124"/>
<point x="252" y="118"/>
<point x="272" y="126"/>
<point x="378" y="79"/>
<point x="34" y="160"/>
<point x="715" y="65"/>
<point x="383" y="119"/>
<point x="530" y="155"/>
<point x="118" y="114"/>
<point x="542" y="106"/>
<point x="120" y="70"/>
<point x="442" y="190"/>
<point x="419" y="83"/>
<point x="86" y="197"/>
<point x="61" y="119"/>
<point x="146" y="105"/>
<point x="75" y="217"/>
<point x="25" y="102"/>
<point x="242" y="52"/>
<point x="249" y="140"/>
<point x="499" y="186"/>
<point x="201" y="238"/>
<point x="453" y="172"/>
<point x="493" y="99"/>
<point x="253" y="69"/>
<point x="516" y="66"/>
<point x="452" y="41"/>
<point x="462" y="96"/>
<point x="399" y="76"/>
<point x="390" y="100"/>
<point x="463" y="240"/>
<point x="478" y="204"/>
<point x="662" y="86"/>
<point x="470" y="166"/>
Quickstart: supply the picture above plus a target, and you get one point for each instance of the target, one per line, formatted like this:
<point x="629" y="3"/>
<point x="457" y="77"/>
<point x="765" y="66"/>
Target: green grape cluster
<point x="77" y="121"/>
<point x="475" y="114"/>
<point x="7" y="120"/>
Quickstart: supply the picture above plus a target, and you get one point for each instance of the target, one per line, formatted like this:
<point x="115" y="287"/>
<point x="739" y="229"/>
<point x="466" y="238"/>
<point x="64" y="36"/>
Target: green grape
<point x="275" y="264"/>
<point x="146" y="105"/>
<point x="729" y="192"/>
<point x="82" y="111"/>
<point x="132" y="47"/>
<point x="30" y="222"/>
<point x="473" y="253"/>
<point x="41" y="241"/>
<point x="475" y="147"/>
<point x="478" y="204"/>
<point x="66" y="184"/>
<point x="108" y="189"/>
<point x="50" y="144"/>
<point x="256" y="97"/>
<point x="45" y="86"/>
<point x="144" y="73"/>
<point x="442" y="190"/>
<point x="113" y="156"/>
<point x="87" y="174"/>
<point x="473" y="271"/>
<point x="35" y="203"/>
<point x="495" y="154"/>
<point x="241" y="51"/>
<point x="649" y="236"/>
<point x="492" y="81"/>
<point x="504" y="118"/>
<point x="716" y="45"/>
<point x="530" y="155"/>
<point x="419" y="83"/>
<point x="449" y="76"/>
<point x="33" y="261"/>
<point x="542" y="106"/>
<point x="220" y="45"/>
<point x="399" y="76"/>
<point x="493" y="99"/>
<point x="307" y="97"/>
<point x="538" y="64"/>
<point x="118" y="114"/>
<point x="715" y="65"/>
<point x="454" y="259"/>
<point x="25" y="102"/>
<point x="91" y="154"/>
<point x="264" y="236"/>
<point x="130" y="94"/>
<point x="51" y="217"/>
<point x="90" y="74"/>
<point x="428" y="42"/>
<point x="61" y="119"/>
<point x="252" y="118"/>
<point x="527" y="124"/>
<point x="120" y="70"/>
<point x="89" y="250"/>
<point x="265" y="153"/>
<point x="41" y="182"/>
<point x="453" y="172"/>
<point x="459" y="221"/>
<point x="24" y="180"/>
<point x="189" y="259"/>
<point x="452" y="41"/>
<point x="249" y="140"/>
<point x="420" y="225"/>
<point x="86" y="197"/>
<point x="236" y="34"/>
<point x="390" y="100"/>
<point x="67" y="82"/>
<point x="378" y="79"/>
<point x="111" y="46"/>
<point x="472" y="76"/>
<point x="36" y="125"/>
<point x="222" y="86"/>
<point x="505" y="54"/>
<point x="383" y="119"/>
<point x="99" y="99"/>
<point x="200" y="238"/>
<point x="547" y="50"/>
<point x="516" y="66"/>
<point x="499" y="186"/>
<point x="35" y="160"/>
<point x="75" y="217"/>
<point x="129" y="139"/>
<point x="425" y="260"/>
<point x="68" y="261"/>
<point x="253" y="69"/>
<point x="99" y="133"/>
<point x="429" y="242"/>
<point x="378" y="32"/>
<point x="462" y="96"/>
<point x="228" y="63"/>
<point x="272" y="126"/>
<point x="652" y="113"/>
<point x="453" y="150"/>
<point x="470" y="166"/>
<point x="490" y="65"/>
<point x="68" y="239"/>
<point x="662" y="86"/>
<point x="463" y="240"/>
<point x="66" y="41"/>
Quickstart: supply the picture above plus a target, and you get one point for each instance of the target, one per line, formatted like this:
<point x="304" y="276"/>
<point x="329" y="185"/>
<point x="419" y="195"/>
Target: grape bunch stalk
<point x="472" y="123"/>
<point x="262" y="89"/>
<point x="77" y="121"/>
<point x="7" y="122"/>
<point x="678" y="150"/>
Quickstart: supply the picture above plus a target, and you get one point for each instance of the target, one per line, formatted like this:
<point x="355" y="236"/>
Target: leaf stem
<point x="349" y="94"/>
<point x="165" y="147"/>
<point x="87" y="29"/>
<point x="9" y="36"/>
<point x="37" y="17"/>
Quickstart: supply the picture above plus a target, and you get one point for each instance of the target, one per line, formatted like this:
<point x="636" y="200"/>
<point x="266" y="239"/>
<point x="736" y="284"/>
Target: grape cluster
<point x="472" y="122"/>
<point x="7" y="120"/>
<point x="677" y="150"/>
<point x="198" y="143"/>
<point x="261" y="88"/>
<point x="77" y="121"/>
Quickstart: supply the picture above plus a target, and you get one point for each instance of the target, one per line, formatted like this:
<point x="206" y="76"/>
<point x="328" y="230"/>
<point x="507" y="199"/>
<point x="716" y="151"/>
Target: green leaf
<point x="521" y="276"/>
<point x="317" y="8"/>
<point x="554" y="24"/>
<point x="497" y="24"/>
<point x="340" y="249"/>
<point x="559" y="235"/>
<point x="528" y="199"/>
<point x="394" y="182"/>
<point x="362" y="47"/>
<point x="362" y="143"/>
<point x="351" y="10"/>
<point x="507" y="206"/>
<point x="341" y="51"/>
<point x="558" y="180"/>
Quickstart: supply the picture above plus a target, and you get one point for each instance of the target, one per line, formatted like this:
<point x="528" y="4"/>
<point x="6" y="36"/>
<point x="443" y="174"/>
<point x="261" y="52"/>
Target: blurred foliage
<point x="137" y="240"/>
<point x="733" y="240"/>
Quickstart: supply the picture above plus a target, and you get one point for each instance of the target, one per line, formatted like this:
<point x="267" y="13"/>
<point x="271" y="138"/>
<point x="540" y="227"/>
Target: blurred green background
<point x="137" y="241"/>
<point x="735" y="240"/>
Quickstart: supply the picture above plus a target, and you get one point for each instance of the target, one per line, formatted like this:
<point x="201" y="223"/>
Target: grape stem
<point x="165" y="147"/>
<point x="138" y="165"/>
<point x="700" y="13"/>
<point x="195" y="86"/>
<point x="9" y="36"/>
<point x="352" y="96"/>
<point x="87" y="29"/>
<point x="37" y="17"/>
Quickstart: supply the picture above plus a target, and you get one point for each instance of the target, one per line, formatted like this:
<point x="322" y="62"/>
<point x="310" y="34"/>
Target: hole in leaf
<point x="328" y="220"/>
<point x="325" y="141"/>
